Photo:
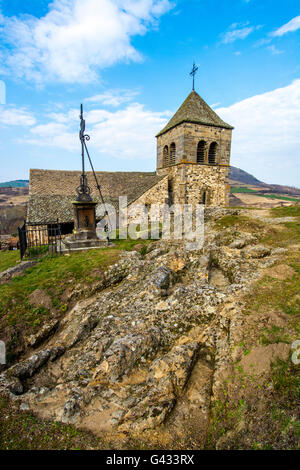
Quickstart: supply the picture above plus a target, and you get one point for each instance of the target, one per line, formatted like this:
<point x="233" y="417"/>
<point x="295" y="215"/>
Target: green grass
<point x="289" y="211"/>
<point x="54" y="275"/>
<point x="274" y="196"/>
<point x="24" y="431"/>
<point x="268" y="297"/>
<point x="242" y="190"/>
<point x="273" y="335"/>
<point x="239" y="221"/>
<point x="8" y="259"/>
<point x="128" y="244"/>
<point x="258" y="193"/>
<point x="275" y="295"/>
<point x="291" y="233"/>
<point x="270" y="294"/>
<point x="286" y="380"/>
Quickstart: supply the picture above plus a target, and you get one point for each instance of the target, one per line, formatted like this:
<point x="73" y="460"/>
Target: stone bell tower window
<point x="212" y="153"/>
<point x="170" y="192"/>
<point x="201" y="151"/>
<point x="172" y="153"/>
<point x="166" y="156"/>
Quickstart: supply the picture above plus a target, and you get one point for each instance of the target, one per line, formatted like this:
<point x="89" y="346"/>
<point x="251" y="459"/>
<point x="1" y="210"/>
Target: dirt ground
<point x="258" y="201"/>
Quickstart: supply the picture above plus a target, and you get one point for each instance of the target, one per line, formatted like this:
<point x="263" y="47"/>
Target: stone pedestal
<point x="85" y="220"/>
<point x="84" y="236"/>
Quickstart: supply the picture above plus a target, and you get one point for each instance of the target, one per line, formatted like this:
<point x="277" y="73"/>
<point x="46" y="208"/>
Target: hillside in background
<point x="246" y="190"/>
<point x="15" y="184"/>
<point x="242" y="176"/>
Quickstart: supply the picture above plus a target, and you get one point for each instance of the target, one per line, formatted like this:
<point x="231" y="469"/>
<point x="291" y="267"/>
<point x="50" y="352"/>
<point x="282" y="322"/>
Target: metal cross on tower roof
<point x="193" y="73"/>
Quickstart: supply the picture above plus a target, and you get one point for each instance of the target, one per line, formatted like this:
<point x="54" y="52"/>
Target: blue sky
<point x="128" y="61"/>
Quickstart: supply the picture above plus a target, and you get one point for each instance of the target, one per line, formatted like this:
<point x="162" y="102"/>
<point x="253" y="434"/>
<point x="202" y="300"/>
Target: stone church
<point x="193" y="160"/>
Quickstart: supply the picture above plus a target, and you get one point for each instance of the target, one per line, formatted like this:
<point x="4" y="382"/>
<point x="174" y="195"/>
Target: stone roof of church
<point x="51" y="192"/>
<point x="195" y="110"/>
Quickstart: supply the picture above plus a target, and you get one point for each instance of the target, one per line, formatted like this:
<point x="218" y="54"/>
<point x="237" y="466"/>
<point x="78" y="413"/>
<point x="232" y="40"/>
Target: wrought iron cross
<point x="83" y="190"/>
<point x="193" y="73"/>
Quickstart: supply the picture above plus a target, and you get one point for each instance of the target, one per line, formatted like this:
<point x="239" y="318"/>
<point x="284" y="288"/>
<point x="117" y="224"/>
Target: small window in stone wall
<point x="170" y="191"/>
<point x="201" y="151"/>
<point x="172" y="153"/>
<point x="166" y="156"/>
<point x="204" y="197"/>
<point x="212" y="153"/>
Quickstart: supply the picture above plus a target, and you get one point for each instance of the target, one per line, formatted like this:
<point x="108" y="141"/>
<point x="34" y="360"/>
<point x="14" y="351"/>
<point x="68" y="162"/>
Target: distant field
<point x="257" y="193"/>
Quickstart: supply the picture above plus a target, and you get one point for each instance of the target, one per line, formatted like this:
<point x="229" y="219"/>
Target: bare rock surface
<point x="39" y="298"/>
<point x="44" y="332"/>
<point x="151" y="344"/>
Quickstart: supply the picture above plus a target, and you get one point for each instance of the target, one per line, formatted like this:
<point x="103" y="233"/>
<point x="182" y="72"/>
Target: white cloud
<point x="13" y="116"/>
<point x="238" y="31"/>
<point x="266" y="138"/>
<point x="214" y="105"/>
<point x="76" y="38"/>
<point x="289" y="27"/>
<point x="127" y="133"/>
<point x="54" y="134"/>
<point x="274" y="51"/>
<point x="113" y="97"/>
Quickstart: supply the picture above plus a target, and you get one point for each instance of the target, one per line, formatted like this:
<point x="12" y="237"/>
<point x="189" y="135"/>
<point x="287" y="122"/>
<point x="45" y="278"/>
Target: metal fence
<point x="39" y="240"/>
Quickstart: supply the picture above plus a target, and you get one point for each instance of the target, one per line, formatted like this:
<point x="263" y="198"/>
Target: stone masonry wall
<point x="186" y="137"/>
<point x="190" y="180"/>
<point x="158" y="194"/>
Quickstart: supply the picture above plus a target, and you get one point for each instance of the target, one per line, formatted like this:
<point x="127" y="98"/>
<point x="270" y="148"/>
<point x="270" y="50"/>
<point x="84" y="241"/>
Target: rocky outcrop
<point x="151" y="343"/>
<point x="44" y="333"/>
<point x="16" y="270"/>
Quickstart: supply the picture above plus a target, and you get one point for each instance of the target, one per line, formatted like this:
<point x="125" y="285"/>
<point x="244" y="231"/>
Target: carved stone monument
<point x="84" y="235"/>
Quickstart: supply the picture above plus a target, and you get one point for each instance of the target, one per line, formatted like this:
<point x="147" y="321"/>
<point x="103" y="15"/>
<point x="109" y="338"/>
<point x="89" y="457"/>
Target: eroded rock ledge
<point x="150" y="344"/>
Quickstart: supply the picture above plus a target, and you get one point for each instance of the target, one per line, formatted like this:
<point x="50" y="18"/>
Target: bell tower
<point x="193" y="149"/>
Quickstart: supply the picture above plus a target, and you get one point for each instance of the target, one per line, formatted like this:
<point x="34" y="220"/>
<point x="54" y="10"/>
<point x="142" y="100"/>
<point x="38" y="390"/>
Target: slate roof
<point x="195" y="110"/>
<point x="51" y="192"/>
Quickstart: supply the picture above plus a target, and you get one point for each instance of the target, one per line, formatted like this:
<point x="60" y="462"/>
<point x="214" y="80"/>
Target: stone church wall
<point x="158" y="194"/>
<point x="185" y="184"/>
<point x="189" y="181"/>
<point x="186" y="137"/>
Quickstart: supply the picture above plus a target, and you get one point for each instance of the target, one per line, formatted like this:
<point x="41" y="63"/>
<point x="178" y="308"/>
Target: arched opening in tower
<point x="212" y="153"/>
<point x="166" y="156"/>
<point x="172" y="153"/>
<point x="170" y="192"/>
<point x="201" y="151"/>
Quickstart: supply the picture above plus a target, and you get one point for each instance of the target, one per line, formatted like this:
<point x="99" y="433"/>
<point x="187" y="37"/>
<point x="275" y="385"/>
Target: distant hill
<point x="242" y="176"/>
<point x="15" y="184"/>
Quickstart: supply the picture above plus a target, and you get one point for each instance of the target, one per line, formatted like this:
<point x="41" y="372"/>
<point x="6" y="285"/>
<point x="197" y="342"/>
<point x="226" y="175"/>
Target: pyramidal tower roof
<point x="195" y="110"/>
